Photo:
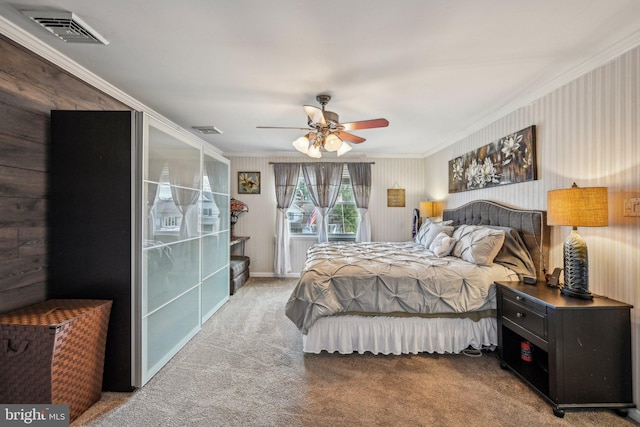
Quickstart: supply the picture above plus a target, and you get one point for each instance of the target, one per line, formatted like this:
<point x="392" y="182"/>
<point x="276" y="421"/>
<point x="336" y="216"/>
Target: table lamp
<point x="427" y="210"/>
<point x="577" y="207"/>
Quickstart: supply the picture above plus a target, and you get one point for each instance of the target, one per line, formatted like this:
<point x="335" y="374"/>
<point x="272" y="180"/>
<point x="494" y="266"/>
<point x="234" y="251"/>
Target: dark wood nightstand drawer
<point x="525" y="317"/>
<point x="530" y="303"/>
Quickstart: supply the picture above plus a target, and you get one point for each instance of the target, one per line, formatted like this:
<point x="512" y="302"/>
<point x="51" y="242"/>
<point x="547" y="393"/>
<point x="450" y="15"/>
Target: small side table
<point x="238" y="240"/>
<point x="238" y="264"/>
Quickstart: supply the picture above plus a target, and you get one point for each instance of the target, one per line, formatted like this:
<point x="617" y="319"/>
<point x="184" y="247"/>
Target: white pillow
<point x="477" y="244"/>
<point x="442" y="245"/>
<point x="430" y="230"/>
<point x="422" y="231"/>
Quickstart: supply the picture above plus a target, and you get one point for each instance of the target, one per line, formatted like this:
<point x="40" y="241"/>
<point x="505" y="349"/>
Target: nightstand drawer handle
<point x="519" y="298"/>
<point x="520" y="315"/>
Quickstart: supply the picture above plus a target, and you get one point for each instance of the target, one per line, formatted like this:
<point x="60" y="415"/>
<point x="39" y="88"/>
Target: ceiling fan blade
<point x="349" y="137"/>
<point x="315" y="114"/>
<point x="280" y="127"/>
<point x="365" y="124"/>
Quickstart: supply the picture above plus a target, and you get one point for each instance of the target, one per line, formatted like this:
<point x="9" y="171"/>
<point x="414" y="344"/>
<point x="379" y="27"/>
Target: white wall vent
<point x="208" y="130"/>
<point x="66" y="26"/>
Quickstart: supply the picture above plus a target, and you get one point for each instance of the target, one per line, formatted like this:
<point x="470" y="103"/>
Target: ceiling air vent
<point x="66" y="26"/>
<point x="208" y="130"/>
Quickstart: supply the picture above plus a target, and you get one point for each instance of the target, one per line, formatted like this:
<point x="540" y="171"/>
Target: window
<point x="342" y="219"/>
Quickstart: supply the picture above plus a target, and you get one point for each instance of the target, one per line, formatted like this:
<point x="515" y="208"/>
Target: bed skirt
<point x="399" y="335"/>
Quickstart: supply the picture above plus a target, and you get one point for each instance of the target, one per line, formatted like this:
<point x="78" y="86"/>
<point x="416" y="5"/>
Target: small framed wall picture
<point x="395" y="198"/>
<point x="248" y="182"/>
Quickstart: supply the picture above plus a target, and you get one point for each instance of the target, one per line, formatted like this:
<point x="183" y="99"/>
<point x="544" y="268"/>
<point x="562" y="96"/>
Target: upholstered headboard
<point x="531" y="224"/>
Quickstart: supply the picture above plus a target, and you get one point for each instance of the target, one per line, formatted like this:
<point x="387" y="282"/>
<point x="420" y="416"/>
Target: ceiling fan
<point x="327" y="132"/>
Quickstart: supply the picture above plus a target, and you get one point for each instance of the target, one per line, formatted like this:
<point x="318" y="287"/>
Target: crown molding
<point x="35" y="45"/>
<point x="598" y="60"/>
<point x="40" y="48"/>
<point x="346" y="157"/>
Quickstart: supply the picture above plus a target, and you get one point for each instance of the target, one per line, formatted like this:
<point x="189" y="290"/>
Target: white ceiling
<point x="436" y="69"/>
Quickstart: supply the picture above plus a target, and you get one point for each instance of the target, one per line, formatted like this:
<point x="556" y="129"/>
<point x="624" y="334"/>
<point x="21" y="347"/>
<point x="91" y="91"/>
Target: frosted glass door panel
<point x="222" y="201"/>
<point x="217" y="175"/>
<point x="215" y="291"/>
<point x="169" y="328"/>
<point x="173" y="215"/>
<point x="169" y="271"/>
<point x="167" y="152"/>
<point x="211" y="214"/>
<point x="215" y="252"/>
<point x="149" y="192"/>
<point x="215" y="213"/>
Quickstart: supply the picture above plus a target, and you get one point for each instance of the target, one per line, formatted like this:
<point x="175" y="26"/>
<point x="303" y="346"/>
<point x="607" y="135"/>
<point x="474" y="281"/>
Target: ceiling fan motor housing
<point x="331" y="118"/>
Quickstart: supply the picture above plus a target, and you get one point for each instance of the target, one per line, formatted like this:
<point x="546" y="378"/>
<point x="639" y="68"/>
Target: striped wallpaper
<point x="587" y="133"/>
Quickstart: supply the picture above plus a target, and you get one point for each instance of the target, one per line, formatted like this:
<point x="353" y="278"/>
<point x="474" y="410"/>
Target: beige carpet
<point x="246" y="368"/>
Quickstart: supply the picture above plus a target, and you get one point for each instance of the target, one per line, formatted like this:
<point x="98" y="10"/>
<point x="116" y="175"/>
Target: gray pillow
<point x="430" y="230"/>
<point x="477" y="244"/>
<point x="422" y="231"/>
<point x="514" y="253"/>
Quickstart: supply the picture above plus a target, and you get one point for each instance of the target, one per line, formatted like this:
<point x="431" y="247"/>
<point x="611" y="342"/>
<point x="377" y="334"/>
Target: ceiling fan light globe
<point x="344" y="148"/>
<point x="301" y="144"/>
<point x="314" y="151"/>
<point x="332" y="143"/>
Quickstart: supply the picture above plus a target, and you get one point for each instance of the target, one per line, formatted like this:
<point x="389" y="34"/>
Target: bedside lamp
<point x="427" y="210"/>
<point x="577" y="207"/>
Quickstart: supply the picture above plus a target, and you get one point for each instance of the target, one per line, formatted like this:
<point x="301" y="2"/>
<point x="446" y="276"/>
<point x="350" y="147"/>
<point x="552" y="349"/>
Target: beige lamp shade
<point x="578" y="207"/>
<point x="427" y="209"/>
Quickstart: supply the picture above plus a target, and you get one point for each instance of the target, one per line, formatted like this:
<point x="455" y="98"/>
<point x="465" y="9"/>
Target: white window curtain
<point x="155" y="171"/>
<point x="286" y="179"/>
<point x="360" y="174"/>
<point x="185" y="173"/>
<point x="323" y="182"/>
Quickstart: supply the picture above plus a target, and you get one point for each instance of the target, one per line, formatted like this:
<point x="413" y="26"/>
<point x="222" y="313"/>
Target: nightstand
<point x="575" y="353"/>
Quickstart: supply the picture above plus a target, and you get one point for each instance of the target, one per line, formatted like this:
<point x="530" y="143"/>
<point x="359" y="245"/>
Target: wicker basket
<point x="53" y="352"/>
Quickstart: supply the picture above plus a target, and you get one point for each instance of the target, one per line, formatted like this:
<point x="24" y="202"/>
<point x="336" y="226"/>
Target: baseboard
<point x="634" y="414"/>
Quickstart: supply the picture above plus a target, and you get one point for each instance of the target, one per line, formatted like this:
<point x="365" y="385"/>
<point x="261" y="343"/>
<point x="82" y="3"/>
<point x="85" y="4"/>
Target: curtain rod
<point x="314" y="163"/>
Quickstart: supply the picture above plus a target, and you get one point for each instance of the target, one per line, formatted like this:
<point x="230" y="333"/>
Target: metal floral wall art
<point x="509" y="160"/>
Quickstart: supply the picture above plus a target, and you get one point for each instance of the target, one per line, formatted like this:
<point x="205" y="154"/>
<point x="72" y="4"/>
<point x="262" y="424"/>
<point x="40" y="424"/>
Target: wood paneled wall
<point x="30" y="87"/>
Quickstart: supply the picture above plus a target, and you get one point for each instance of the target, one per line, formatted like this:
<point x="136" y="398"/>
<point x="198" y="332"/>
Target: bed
<point x="408" y="297"/>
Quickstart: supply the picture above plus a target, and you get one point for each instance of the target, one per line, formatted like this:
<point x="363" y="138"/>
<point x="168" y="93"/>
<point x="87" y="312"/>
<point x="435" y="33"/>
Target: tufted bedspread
<point x="393" y="278"/>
